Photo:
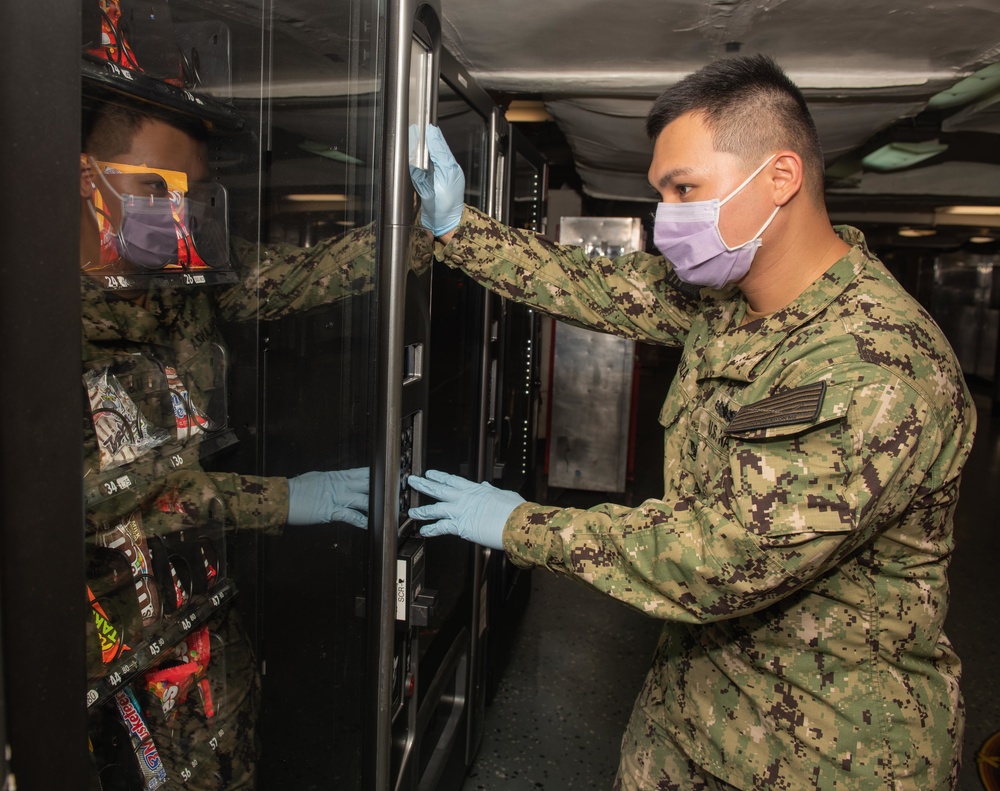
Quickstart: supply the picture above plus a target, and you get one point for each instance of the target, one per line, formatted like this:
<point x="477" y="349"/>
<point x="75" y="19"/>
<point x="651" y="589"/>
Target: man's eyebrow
<point x="668" y="178"/>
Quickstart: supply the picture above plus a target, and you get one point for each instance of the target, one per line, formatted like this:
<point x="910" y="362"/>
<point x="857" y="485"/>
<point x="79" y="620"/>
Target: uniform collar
<point x="739" y="352"/>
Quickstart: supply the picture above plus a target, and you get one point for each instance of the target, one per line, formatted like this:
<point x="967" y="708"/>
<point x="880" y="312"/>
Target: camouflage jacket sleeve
<point x="260" y="503"/>
<point x="635" y="296"/>
<point x="192" y="498"/>
<point x="280" y="279"/>
<point x="788" y="504"/>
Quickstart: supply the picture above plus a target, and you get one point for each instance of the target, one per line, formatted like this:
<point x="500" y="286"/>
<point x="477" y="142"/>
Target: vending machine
<point x="514" y="413"/>
<point x="230" y="344"/>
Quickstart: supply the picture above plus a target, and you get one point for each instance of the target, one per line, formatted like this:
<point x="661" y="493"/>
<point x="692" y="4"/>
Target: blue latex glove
<point x="442" y="187"/>
<point x="334" y="496"/>
<point x="474" y="511"/>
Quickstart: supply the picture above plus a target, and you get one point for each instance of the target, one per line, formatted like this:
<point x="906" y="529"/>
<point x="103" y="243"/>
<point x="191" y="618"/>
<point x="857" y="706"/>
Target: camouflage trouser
<point x="650" y="761"/>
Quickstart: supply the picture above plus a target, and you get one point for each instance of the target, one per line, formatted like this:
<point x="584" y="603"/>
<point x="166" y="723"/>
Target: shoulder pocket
<point x="792" y="461"/>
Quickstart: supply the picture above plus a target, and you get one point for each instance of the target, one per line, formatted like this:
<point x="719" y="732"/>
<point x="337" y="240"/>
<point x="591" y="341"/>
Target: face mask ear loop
<point x="763" y="228"/>
<point x="748" y="179"/>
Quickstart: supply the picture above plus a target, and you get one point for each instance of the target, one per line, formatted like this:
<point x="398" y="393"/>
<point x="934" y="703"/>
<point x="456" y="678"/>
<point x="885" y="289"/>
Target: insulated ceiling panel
<point x="609" y="135"/>
<point x="948" y="180"/>
<point x="867" y="67"/>
<point x="630" y="46"/>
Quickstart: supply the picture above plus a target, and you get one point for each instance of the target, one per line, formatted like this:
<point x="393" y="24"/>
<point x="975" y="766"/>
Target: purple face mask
<point x="148" y="234"/>
<point x="687" y="234"/>
<point x="148" y="231"/>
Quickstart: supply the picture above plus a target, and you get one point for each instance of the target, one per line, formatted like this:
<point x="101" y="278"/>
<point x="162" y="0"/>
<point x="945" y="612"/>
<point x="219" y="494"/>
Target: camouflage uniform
<point x="177" y="327"/>
<point x="799" y="554"/>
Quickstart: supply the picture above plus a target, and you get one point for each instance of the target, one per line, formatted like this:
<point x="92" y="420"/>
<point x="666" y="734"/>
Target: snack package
<point x="114" y="46"/>
<point x="189" y="418"/>
<point x="128" y="538"/>
<point x="186" y="670"/>
<point x="123" y="433"/>
<point x="146" y="754"/>
<point x="114" y="622"/>
<point x="210" y="561"/>
<point x="175" y="593"/>
<point x="112" y="638"/>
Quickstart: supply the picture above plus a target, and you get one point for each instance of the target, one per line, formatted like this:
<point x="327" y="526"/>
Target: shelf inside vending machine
<point x="153" y="649"/>
<point x="103" y="79"/>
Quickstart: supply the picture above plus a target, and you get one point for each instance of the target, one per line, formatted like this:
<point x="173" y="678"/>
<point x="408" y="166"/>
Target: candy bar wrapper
<point x="210" y="562"/>
<point x="189" y="418"/>
<point x="171" y="685"/>
<point x="123" y="433"/>
<point x="146" y="754"/>
<point x="128" y="538"/>
<point x="115" y="46"/>
<point x="111" y="637"/>
<point x="196" y="649"/>
<point x="181" y="596"/>
<point x="170" y="502"/>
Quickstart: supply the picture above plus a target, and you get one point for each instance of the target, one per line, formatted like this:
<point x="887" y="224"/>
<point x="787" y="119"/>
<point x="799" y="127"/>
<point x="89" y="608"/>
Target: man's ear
<point x="786" y="176"/>
<point x="88" y="179"/>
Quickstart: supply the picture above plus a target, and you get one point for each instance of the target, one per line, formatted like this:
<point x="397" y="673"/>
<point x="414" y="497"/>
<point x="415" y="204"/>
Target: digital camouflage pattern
<point x="179" y="327"/>
<point x="799" y="554"/>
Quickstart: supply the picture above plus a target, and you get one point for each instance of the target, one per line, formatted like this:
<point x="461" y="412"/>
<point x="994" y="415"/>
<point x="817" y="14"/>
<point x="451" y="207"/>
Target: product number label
<point x="117" y="281"/>
<point x="123" y="73"/>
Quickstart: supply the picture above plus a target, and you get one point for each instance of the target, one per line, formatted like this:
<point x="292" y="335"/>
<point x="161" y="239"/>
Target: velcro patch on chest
<point x="798" y="405"/>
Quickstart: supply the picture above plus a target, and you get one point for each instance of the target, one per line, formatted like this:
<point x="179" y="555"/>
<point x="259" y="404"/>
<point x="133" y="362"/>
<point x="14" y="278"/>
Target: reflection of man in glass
<point x="136" y="171"/>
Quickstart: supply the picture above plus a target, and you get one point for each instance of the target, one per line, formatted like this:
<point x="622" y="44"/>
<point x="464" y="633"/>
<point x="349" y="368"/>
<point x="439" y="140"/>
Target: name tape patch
<point x="798" y="405"/>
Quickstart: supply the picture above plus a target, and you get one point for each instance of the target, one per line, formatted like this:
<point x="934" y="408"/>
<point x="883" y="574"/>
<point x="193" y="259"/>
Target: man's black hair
<point x="110" y="127"/>
<point x="752" y="109"/>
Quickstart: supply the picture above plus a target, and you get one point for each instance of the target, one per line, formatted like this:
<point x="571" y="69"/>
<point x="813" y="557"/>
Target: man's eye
<point x="684" y="189"/>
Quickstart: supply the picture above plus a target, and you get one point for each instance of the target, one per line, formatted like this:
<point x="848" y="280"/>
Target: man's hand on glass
<point x="441" y="187"/>
<point x="474" y="511"/>
<point x="332" y="496"/>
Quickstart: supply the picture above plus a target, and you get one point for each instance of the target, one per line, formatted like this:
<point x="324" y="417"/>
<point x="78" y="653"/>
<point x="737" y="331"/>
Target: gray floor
<point x="579" y="659"/>
<point x="578" y="662"/>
